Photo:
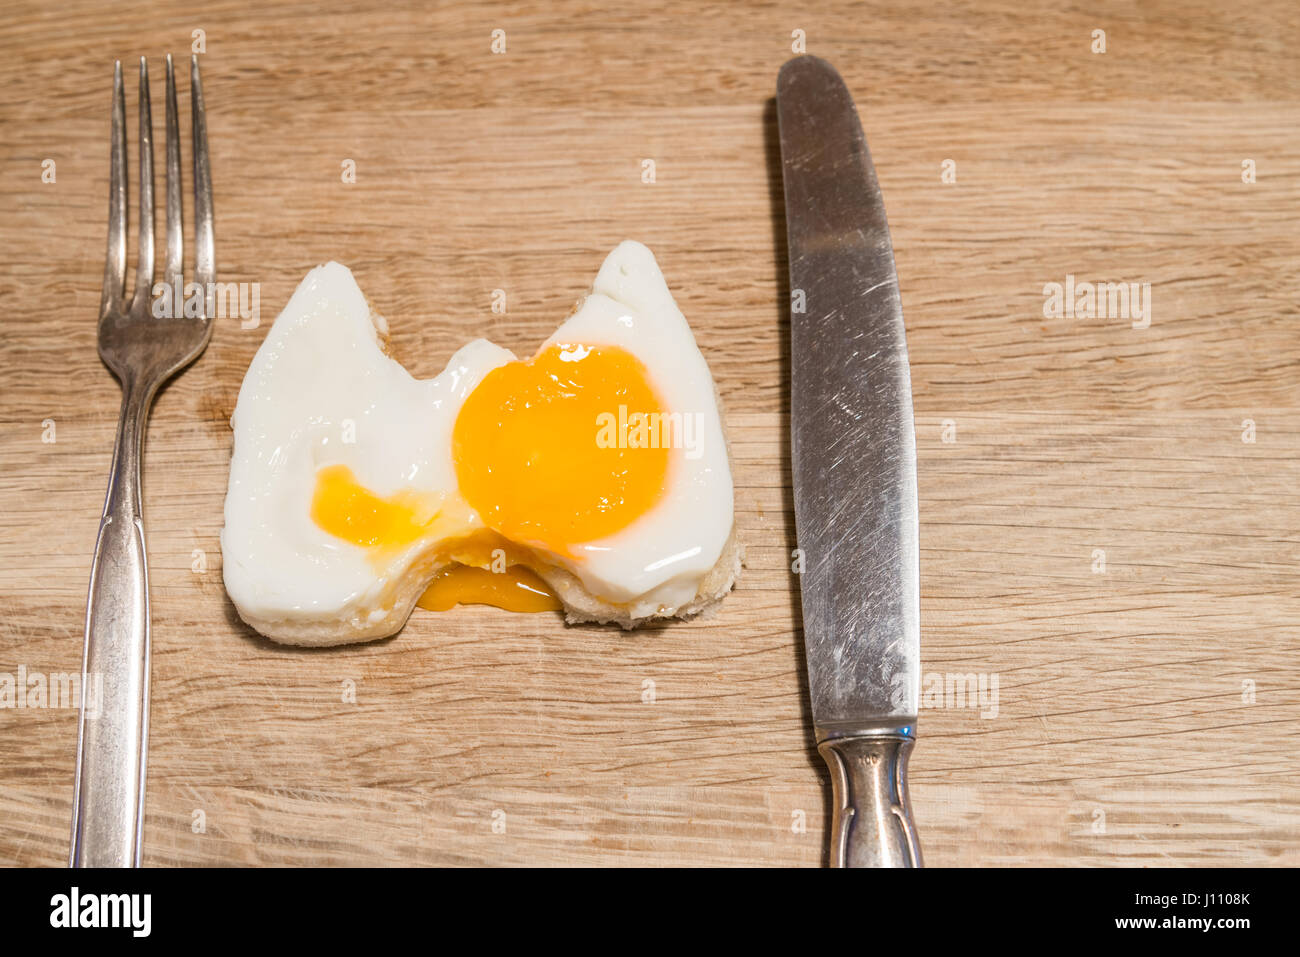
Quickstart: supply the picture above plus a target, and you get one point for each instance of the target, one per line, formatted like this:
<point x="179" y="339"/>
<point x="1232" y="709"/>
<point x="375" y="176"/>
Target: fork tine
<point x="204" y="254"/>
<point x="175" y="232"/>
<point x="144" y="262"/>
<point x="115" y="264"/>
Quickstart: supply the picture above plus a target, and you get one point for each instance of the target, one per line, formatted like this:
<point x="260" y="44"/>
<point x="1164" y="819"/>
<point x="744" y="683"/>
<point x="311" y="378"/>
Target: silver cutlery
<point x="143" y="351"/>
<point x="854" y="465"/>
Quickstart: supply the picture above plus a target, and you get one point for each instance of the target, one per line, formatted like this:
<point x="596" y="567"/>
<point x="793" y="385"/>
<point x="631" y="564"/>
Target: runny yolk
<point x="515" y="589"/>
<point x="348" y="510"/>
<point x="486" y="569"/>
<point x="556" y="451"/>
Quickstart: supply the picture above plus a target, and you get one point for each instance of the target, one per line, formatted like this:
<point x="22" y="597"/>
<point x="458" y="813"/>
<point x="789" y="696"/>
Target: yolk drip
<point x="348" y="510"/>
<point x="516" y="589"/>
<point x="556" y="451"/>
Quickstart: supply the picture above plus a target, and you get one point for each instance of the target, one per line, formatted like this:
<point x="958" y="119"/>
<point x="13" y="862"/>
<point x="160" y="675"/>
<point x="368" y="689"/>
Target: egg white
<point x="655" y="564"/>
<point x="321" y="391"/>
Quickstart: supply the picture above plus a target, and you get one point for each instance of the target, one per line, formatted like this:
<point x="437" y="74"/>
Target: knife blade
<point x="853" y="450"/>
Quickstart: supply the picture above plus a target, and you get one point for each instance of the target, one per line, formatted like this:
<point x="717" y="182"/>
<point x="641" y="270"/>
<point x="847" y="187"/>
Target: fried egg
<point x="592" y="476"/>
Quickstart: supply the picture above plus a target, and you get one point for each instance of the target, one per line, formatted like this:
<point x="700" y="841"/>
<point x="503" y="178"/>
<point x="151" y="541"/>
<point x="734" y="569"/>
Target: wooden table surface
<point x="1110" y="520"/>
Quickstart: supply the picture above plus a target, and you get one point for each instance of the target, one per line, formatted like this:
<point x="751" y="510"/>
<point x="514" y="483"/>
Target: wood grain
<point x="1147" y="701"/>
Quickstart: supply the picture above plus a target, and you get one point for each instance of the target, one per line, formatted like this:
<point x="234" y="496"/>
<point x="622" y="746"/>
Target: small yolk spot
<point x="515" y="589"/>
<point x="564" y="448"/>
<point x="348" y="510"/>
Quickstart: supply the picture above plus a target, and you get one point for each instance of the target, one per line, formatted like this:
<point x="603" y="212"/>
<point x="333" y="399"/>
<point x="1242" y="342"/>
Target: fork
<point x="143" y="350"/>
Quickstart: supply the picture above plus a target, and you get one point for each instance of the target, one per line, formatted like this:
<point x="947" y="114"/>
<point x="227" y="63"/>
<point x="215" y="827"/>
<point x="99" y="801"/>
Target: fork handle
<point x="108" y="797"/>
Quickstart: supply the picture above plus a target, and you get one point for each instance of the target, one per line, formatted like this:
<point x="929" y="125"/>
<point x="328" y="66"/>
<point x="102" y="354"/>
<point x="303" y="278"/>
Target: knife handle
<point x="871" y="824"/>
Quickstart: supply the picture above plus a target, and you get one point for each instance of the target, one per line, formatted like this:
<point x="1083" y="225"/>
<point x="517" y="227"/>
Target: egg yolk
<point x="562" y="449"/>
<point x="515" y="589"/>
<point x="486" y="569"/>
<point x="348" y="510"/>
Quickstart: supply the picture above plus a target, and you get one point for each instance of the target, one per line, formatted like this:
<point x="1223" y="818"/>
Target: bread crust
<point x="580" y="605"/>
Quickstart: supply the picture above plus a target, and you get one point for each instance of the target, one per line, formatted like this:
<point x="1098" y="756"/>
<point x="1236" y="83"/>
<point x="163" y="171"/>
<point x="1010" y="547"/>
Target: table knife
<point x="853" y="452"/>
